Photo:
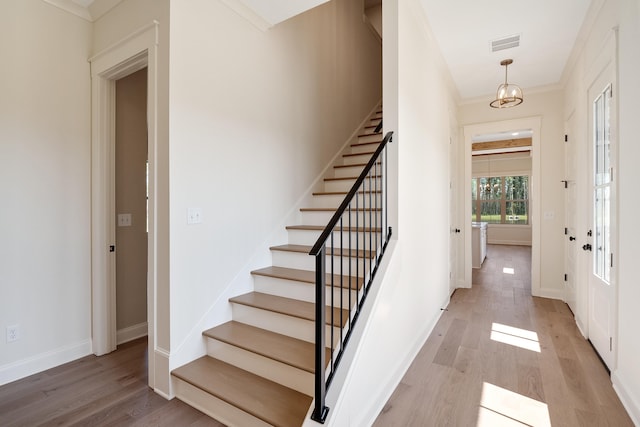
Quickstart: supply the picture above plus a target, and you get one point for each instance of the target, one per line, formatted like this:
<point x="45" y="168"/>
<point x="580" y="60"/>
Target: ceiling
<point x="464" y="30"/>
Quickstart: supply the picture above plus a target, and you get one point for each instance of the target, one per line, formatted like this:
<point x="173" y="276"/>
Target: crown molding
<point x="71" y="7"/>
<point x="93" y="10"/>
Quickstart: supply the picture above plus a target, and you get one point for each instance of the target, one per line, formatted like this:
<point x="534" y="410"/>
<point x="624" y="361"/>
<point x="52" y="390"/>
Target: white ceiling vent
<point x="505" y="43"/>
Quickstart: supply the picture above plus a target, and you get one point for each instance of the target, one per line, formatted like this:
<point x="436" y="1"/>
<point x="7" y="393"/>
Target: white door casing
<point x="571" y="208"/>
<point x="464" y="210"/>
<point x="454" y="224"/>
<point x="131" y="54"/>
<point x="602" y="283"/>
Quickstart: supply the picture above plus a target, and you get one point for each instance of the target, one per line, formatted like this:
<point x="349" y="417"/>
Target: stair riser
<point x="351" y="171"/>
<point x="265" y="367"/>
<point x="358" y="219"/>
<point x="348" y="171"/>
<point x="366" y="148"/>
<point x="304" y="261"/>
<point x="377" y="137"/>
<point x="295" y="327"/>
<point x="215" y="408"/>
<point x="346" y="184"/>
<point x="359" y="159"/>
<point x="333" y="201"/>
<point x="301" y="291"/>
<point x="309" y="238"/>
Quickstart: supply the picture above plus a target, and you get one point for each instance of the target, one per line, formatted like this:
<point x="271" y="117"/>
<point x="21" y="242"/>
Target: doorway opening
<point x="132" y="54"/>
<point x="131" y="196"/>
<point x="501" y="201"/>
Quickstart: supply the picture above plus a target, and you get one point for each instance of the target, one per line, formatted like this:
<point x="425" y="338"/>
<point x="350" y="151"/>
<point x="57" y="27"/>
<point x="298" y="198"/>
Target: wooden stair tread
<point x="348" y="178"/>
<point x="334" y="209"/>
<point x="356" y="165"/>
<point x="370" y="142"/>
<point x="330" y="251"/>
<point x="282" y="348"/>
<point x="307" y="276"/>
<point x="321" y="228"/>
<point x="337" y="193"/>
<point x="264" y="399"/>
<point x="290" y="307"/>
<point x="358" y="154"/>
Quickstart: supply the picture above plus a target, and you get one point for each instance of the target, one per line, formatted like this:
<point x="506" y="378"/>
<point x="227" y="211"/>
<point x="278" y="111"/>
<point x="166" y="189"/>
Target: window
<point x="500" y="199"/>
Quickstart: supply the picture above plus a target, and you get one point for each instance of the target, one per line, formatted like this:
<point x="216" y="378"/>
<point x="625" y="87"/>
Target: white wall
<point x="625" y="15"/>
<point x="416" y="284"/>
<point x="255" y="117"/>
<point x="45" y="264"/>
<point x="548" y="107"/>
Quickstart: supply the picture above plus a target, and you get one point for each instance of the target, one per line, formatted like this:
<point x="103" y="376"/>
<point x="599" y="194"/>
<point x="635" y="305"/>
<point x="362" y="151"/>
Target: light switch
<point x="124" y="220"/>
<point x="549" y="215"/>
<point x="194" y="216"/>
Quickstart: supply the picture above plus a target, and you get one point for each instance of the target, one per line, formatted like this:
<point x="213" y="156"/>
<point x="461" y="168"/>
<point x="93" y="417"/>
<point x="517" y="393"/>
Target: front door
<point x="602" y="284"/>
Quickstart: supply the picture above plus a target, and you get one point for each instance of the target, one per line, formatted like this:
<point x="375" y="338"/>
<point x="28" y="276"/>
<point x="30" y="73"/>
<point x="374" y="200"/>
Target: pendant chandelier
<point x="507" y="95"/>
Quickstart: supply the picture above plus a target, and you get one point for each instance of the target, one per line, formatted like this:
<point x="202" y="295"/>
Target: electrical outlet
<point x="13" y="333"/>
<point x="194" y="216"/>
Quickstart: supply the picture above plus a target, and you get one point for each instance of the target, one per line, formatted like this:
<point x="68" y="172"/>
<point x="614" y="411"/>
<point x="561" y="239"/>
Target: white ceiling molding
<point x="89" y="10"/>
<point x="248" y="14"/>
<point x="277" y="11"/>
<point x="97" y="8"/>
<point x="71" y="7"/>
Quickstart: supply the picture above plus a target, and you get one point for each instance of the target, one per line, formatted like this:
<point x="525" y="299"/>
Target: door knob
<point x="586" y="247"/>
<point x="457" y="230"/>
<point x="571" y="238"/>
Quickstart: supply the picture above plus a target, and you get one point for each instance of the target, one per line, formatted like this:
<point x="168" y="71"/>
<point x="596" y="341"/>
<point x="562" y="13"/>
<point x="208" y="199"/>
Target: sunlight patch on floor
<point x="502" y="407"/>
<point x="508" y="270"/>
<point x="515" y="336"/>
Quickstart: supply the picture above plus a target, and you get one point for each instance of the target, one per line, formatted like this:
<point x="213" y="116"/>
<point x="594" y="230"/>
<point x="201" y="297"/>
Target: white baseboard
<point x="509" y="242"/>
<point x="548" y="293"/>
<point x="631" y="405"/>
<point x="41" y="362"/>
<point x="131" y="333"/>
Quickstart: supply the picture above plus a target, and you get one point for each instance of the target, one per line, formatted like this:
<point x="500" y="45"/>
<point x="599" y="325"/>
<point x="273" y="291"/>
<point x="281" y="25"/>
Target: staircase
<point x="259" y="367"/>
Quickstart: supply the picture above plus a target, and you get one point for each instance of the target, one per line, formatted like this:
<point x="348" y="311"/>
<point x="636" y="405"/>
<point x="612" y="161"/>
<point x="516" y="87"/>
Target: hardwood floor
<point x="499" y="356"/>
<point x="96" y="391"/>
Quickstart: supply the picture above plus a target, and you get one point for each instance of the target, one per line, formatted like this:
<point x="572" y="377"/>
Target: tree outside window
<point x="500" y="199"/>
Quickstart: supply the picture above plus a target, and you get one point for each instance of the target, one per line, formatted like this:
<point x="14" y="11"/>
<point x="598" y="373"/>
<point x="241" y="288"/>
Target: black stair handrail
<point x="374" y="254"/>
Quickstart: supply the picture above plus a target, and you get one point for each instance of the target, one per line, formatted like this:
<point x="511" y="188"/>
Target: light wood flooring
<point x="500" y="357"/>
<point x="109" y="390"/>
<point x="461" y="377"/>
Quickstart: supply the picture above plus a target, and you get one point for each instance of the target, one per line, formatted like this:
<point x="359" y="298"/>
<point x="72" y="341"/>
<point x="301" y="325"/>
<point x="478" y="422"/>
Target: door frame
<point x="129" y="55"/>
<point x="535" y="124"/>
<point x="605" y="62"/>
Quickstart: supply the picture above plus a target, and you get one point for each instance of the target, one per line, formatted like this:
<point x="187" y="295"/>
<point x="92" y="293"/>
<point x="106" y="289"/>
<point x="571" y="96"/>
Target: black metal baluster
<point x="320" y="410"/>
